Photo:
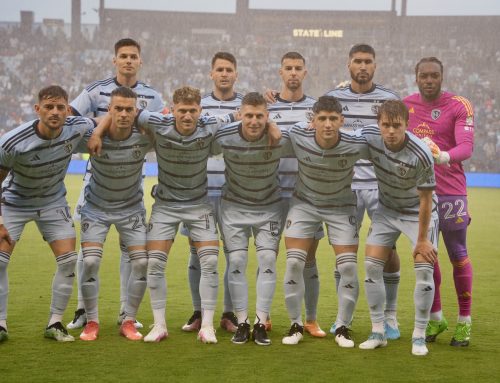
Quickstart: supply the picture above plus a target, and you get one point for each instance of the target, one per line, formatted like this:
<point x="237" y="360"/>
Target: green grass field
<point x="27" y="356"/>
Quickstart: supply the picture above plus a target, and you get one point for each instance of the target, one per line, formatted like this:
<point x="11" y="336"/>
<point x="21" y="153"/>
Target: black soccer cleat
<point x="242" y="334"/>
<point x="259" y="335"/>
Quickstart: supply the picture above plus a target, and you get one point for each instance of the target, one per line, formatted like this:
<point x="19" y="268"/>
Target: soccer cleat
<point x="461" y="337"/>
<point x="158" y="333"/>
<point x="418" y="347"/>
<point x="434" y="328"/>
<point x="333" y="328"/>
<point x="242" y="334"/>
<point x="229" y="322"/>
<point x="4" y="335"/>
<point x="79" y="321"/>
<point x="129" y="331"/>
<point x="90" y="331"/>
<point x="259" y="335"/>
<point x="343" y="338"/>
<point x="207" y="335"/>
<point x="391" y="329"/>
<point x="121" y="318"/>
<point x="374" y="341"/>
<point x="312" y="327"/>
<point x="194" y="323"/>
<point x="58" y="332"/>
<point x="295" y="334"/>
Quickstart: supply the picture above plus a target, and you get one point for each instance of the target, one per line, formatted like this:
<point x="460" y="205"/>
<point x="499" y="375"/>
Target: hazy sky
<point x="61" y="9"/>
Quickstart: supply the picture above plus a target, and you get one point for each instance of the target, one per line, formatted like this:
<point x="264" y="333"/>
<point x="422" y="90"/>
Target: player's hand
<point x="273" y="133"/>
<point x="270" y="96"/>
<point x="343" y="84"/>
<point x="440" y="157"/>
<point x="4" y="235"/>
<point x="94" y="145"/>
<point x="425" y="249"/>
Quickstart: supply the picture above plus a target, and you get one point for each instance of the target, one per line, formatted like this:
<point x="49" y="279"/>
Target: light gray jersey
<point x="212" y="106"/>
<point x="359" y="110"/>
<point x="286" y="114"/>
<point x="401" y="174"/>
<point x="116" y="181"/>
<point x="325" y="175"/>
<point x="182" y="160"/>
<point x="251" y="167"/>
<point x="37" y="166"/>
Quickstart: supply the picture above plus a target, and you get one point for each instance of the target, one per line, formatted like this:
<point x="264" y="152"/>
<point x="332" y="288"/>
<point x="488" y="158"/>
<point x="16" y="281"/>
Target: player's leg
<point x="5" y="253"/>
<point x="194" y="275"/>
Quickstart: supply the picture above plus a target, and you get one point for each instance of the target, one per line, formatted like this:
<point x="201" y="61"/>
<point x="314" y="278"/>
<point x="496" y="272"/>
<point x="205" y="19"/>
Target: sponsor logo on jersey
<point x="435" y="113"/>
<point x="411" y="110"/>
<point x="276" y="116"/>
<point x="35" y="158"/>
<point x="345" y="108"/>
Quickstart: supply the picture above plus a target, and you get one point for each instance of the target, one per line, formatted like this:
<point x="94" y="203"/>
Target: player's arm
<point x="4" y="233"/>
<point x="424" y="246"/>
<point x="94" y="143"/>
<point x="270" y="96"/>
<point x="273" y="132"/>
<point x="464" y="132"/>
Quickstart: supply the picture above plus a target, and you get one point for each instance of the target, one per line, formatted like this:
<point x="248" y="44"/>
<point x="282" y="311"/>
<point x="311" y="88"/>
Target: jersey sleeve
<point x="425" y="177"/>
<point x="286" y="144"/>
<point x="464" y="130"/>
<point x="214" y="123"/>
<point x="150" y="121"/>
<point x="83" y="104"/>
<point x="157" y="105"/>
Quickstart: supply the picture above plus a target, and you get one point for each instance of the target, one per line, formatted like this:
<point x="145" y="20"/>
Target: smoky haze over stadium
<point x="178" y="46"/>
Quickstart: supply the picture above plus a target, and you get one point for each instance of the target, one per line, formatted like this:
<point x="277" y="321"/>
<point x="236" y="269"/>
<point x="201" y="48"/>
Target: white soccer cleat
<point x="207" y="335"/>
<point x="158" y="333"/>
<point x="374" y="341"/>
<point x="343" y="338"/>
<point x="79" y="321"/>
<point x="295" y="334"/>
<point x="418" y="347"/>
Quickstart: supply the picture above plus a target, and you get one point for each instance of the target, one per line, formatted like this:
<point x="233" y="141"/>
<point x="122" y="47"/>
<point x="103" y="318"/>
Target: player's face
<point x="253" y="121"/>
<point x="393" y="132"/>
<point x="429" y="80"/>
<point x="52" y="113"/>
<point x="327" y="125"/>
<point x="293" y="72"/>
<point x="362" y="67"/>
<point x="122" y="111"/>
<point x="224" y="75"/>
<point x="186" y="117"/>
<point x="127" y="61"/>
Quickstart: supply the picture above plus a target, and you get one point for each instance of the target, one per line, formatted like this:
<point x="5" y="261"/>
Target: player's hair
<point x="293" y="56"/>
<point x="224" y="56"/>
<point x="327" y="104"/>
<point x="254" y="99"/>
<point x="127" y="42"/>
<point x="363" y="48"/>
<point x="187" y="95"/>
<point x="123" y="91"/>
<point x="52" y="91"/>
<point x="429" y="60"/>
<point x="393" y="109"/>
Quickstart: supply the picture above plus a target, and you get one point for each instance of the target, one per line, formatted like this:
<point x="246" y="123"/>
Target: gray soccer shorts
<point x="320" y="233"/>
<point x="198" y="219"/>
<point x="239" y="223"/>
<point x="304" y="219"/>
<point x="215" y="202"/>
<point x="130" y="224"/>
<point x="367" y="201"/>
<point x="386" y="229"/>
<point x="54" y="222"/>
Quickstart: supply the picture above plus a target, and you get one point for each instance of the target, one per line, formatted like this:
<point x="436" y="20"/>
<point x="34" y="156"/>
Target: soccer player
<point x="95" y="100"/>
<point x="448" y="121"/>
<point x="326" y="157"/>
<point x="360" y="101"/>
<point x="34" y="159"/>
<point x="182" y="144"/>
<point x="222" y="100"/>
<point x="251" y="204"/>
<point x="291" y="105"/>
<point x="405" y="173"/>
<point x="114" y="196"/>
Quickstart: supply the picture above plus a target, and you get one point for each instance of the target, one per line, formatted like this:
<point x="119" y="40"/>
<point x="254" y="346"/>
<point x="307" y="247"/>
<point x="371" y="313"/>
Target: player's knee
<point x="295" y="265"/>
<point x="374" y="268"/>
<point x="238" y="260"/>
<point x="348" y="270"/>
<point x="209" y="263"/>
<point x="267" y="259"/>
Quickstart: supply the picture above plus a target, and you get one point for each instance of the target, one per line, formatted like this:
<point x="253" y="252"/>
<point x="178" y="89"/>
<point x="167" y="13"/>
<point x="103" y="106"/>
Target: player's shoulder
<point x="301" y="129"/>
<point x="100" y="84"/>
<point x="340" y="91"/>
<point x="231" y="130"/>
<point x="419" y="149"/>
<point x="387" y="93"/>
<point x="459" y="102"/>
<point x="17" y="135"/>
<point x="412" y="98"/>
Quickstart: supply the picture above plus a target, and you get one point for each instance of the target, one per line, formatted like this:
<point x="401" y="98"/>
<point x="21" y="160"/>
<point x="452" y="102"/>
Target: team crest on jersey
<point x="375" y="109"/>
<point x="136" y="154"/>
<point x="142" y="104"/>
<point x="85" y="227"/>
<point x="268" y="154"/>
<point x="199" y="143"/>
<point x="309" y="115"/>
<point x="68" y="147"/>
<point x="342" y="163"/>
<point x="402" y="170"/>
<point x="435" y="113"/>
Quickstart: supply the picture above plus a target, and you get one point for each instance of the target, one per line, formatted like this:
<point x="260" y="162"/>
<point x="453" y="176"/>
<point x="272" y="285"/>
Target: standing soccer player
<point x="360" y="102"/>
<point x="34" y="159"/>
<point x="95" y="100"/>
<point x="251" y="205"/>
<point x="326" y="158"/>
<point x="222" y="100"/>
<point x="114" y="196"/>
<point x="405" y="173"/>
<point x="448" y="121"/>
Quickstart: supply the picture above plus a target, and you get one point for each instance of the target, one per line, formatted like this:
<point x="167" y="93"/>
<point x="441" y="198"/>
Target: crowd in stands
<point x="32" y="59"/>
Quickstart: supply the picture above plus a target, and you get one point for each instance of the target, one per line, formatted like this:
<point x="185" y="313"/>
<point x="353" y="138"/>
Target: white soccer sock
<point x="194" y="275"/>
<point x="261" y="317"/>
<point x="424" y="293"/>
<point x="207" y="318"/>
<point x="209" y="281"/>
<point x="242" y="316"/>
<point x="294" y="283"/>
<point x="228" y="303"/>
<point x="90" y="281"/>
<point x="311" y="294"/>
<point x="375" y="291"/>
<point x="238" y="284"/>
<point x="348" y="290"/>
<point x="436" y="316"/>
<point x="62" y="285"/>
<point x="466" y="319"/>
<point x="391" y="283"/>
<point x="4" y="286"/>
<point x="137" y="282"/>
<point x="79" y="273"/>
<point x="157" y="284"/>
<point x="266" y="280"/>
<point x="125" y="271"/>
